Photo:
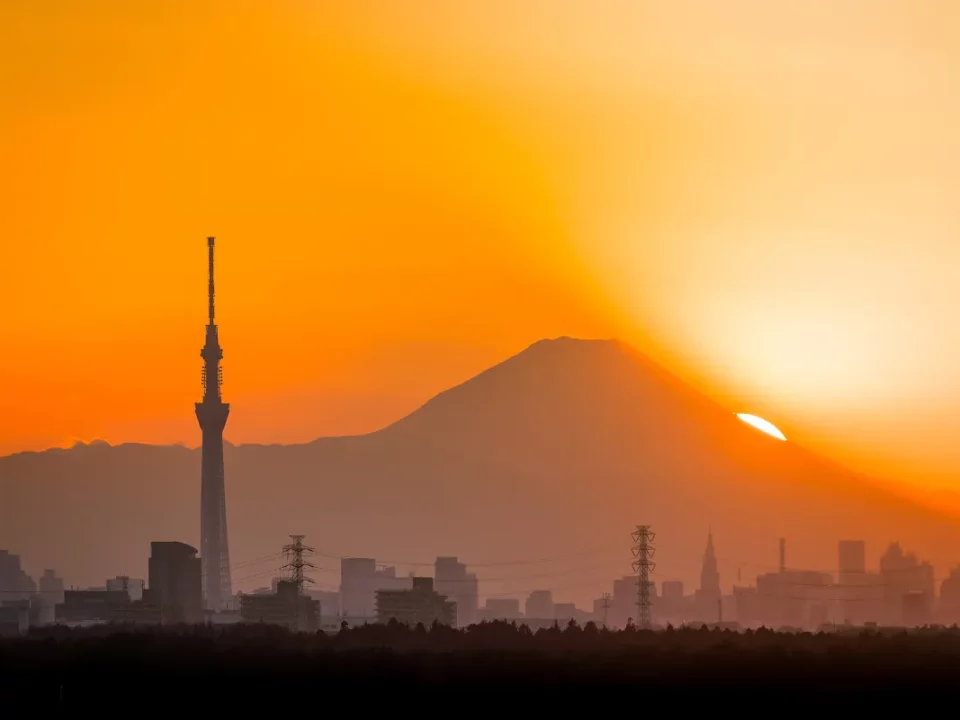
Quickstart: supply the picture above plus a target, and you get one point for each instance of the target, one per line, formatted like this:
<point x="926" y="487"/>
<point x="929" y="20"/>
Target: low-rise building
<point x="105" y="606"/>
<point x="421" y="604"/>
<point x="286" y="607"/>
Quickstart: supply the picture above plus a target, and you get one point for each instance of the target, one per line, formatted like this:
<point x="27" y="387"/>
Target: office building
<point x="902" y="574"/>
<point x="949" y="608"/>
<point x="539" y="605"/>
<point x="852" y="555"/>
<point x="15" y="584"/>
<point x="708" y="596"/>
<point x="51" y="595"/>
<point x="452" y="579"/>
<point x="175" y="582"/>
<point x="360" y="579"/>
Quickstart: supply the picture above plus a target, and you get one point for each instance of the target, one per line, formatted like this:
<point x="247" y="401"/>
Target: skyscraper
<point x="852" y="557"/>
<point x="708" y="596"/>
<point x="175" y="575"/>
<point x="709" y="576"/>
<point x="212" y="415"/>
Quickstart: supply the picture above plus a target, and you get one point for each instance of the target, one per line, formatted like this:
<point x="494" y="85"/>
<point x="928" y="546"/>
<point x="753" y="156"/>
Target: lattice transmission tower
<point x="643" y="565"/>
<point x="294" y="565"/>
<point x="605" y="604"/>
<point x="295" y="562"/>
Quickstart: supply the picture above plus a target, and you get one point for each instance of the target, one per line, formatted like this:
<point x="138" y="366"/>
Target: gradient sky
<point x="762" y="195"/>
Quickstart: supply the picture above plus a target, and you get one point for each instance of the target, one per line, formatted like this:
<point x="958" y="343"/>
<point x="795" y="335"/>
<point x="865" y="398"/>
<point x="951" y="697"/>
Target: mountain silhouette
<point x="557" y="452"/>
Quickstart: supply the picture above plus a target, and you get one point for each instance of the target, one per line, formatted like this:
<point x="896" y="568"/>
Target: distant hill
<point x="555" y="453"/>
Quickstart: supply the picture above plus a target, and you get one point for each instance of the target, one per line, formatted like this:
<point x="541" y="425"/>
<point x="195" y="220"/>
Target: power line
<point x="255" y="561"/>
<point x="497" y="563"/>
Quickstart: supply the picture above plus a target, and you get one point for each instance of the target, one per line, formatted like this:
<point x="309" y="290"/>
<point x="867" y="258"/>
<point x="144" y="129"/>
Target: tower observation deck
<point x="212" y="415"/>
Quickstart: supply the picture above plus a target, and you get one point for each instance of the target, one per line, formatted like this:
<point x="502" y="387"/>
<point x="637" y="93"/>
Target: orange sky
<point x="763" y="195"/>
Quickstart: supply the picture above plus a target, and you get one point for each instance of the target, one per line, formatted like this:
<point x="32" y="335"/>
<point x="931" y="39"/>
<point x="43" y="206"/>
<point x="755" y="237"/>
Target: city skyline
<point x="901" y="591"/>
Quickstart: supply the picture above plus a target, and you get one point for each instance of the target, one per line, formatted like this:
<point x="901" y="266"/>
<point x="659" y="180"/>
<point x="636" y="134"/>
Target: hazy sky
<point x="762" y="194"/>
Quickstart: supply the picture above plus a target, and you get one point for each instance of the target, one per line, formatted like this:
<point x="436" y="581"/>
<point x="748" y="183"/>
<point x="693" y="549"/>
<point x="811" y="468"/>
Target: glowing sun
<point x="762" y="425"/>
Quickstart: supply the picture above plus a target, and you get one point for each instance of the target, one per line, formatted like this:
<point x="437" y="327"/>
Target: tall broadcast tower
<point x="212" y="415"/>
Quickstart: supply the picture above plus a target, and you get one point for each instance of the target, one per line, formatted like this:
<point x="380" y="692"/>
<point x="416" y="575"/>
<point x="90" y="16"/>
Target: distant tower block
<point x="212" y="415"/>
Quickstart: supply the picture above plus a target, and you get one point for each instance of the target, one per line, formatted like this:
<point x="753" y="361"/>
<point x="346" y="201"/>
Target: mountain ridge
<point x="567" y="444"/>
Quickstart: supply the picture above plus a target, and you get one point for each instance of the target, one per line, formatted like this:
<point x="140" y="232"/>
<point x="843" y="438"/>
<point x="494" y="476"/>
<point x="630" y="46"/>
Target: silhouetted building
<point x="286" y="607"/>
<point x="916" y="608"/>
<point x="793" y="598"/>
<point x="563" y="613"/>
<point x="15" y="584"/>
<point x="104" y="606"/>
<point x="623" y="604"/>
<point x="14" y="618"/>
<point x="948" y="609"/>
<point x="749" y="611"/>
<point x="501" y="609"/>
<point x="131" y="586"/>
<point x="708" y="596"/>
<point x="672" y="606"/>
<point x="539" y="605"/>
<point x="859" y="593"/>
<point x="852" y="557"/>
<point x="329" y="602"/>
<point x="902" y="573"/>
<point x="82" y="606"/>
<point x="216" y="587"/>
<point x="420" y="604"/>
<point x="672" y="590"/>
<point x="175" y="582"/>
<point x="51" y="595"/>
<point x="360" y="579"/>
<point x="452" y="579"/>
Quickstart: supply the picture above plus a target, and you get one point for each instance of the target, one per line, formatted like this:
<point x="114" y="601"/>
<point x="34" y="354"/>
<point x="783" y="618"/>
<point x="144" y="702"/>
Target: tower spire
<point x="210" y="293"/>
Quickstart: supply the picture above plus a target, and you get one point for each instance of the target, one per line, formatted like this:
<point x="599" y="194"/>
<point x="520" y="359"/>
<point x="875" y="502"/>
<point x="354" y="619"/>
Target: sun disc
<point x="762" y="425"/>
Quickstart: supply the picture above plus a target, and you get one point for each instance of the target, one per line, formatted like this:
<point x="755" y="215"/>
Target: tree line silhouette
<point x="63" y="665"/>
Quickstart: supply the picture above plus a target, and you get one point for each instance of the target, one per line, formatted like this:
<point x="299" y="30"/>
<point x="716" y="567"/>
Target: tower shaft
<point x="212" y="415"/>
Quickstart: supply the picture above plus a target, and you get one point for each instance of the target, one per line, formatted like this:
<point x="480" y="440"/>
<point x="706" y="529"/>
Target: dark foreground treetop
<point x="198" y="666"/>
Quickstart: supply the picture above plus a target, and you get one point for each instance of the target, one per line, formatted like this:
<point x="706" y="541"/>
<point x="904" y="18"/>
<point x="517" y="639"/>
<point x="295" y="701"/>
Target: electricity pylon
<point x="295" y="564"/>
<point x="643" y="565"/>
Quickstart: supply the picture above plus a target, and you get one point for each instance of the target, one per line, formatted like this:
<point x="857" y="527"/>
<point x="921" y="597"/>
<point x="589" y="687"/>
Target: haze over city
<point x="334" y="314"/>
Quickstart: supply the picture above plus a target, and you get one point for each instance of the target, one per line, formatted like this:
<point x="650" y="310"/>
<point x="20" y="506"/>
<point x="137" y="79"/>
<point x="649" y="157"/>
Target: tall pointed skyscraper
<point x="708" y="596"/>
<point x="212" y="414"/>
<point x="709" y="575"/>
